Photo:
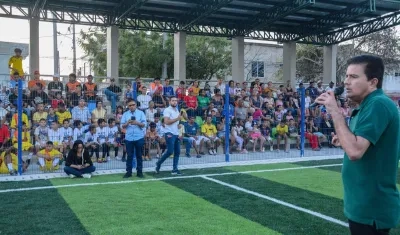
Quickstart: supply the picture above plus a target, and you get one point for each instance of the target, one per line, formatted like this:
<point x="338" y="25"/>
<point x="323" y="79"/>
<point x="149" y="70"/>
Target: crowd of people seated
<point x="55" y="116"/>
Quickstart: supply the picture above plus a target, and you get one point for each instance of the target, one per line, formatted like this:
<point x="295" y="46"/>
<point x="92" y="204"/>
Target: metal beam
<point x="203" y="10"/>
<point x="276" y="13"/>
<point x="355" y="31"/>
<point x="325" y="23"/>
<point x="131" y="6"/>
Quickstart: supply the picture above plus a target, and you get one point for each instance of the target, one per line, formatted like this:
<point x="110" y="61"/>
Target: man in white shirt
<point x="171" y="120"/>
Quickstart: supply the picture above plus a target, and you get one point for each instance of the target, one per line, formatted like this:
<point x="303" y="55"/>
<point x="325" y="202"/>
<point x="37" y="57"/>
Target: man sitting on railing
<point x="113" y="92"/>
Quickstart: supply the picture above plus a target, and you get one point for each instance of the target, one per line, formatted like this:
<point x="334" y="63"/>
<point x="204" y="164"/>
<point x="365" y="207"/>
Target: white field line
<point x="47" y="176"/>
<point x="161" y="179"/>
<point x="319" y="215"/>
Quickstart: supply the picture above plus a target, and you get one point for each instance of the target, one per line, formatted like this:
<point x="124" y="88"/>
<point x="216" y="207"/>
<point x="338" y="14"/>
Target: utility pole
<point x="165" y="65"/>
<point x="55" y="49"/>
<point x="74" y="49"/>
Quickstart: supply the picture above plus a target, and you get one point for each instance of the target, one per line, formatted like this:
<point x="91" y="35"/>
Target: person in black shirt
<point x="55" y="87"/>
<point x="78" y="163"/>
<point x="113" y="92"/>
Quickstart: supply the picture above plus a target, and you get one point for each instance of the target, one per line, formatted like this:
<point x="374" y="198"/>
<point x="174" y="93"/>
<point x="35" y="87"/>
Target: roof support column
<point x="180" y="56"/>
<point x="33" y="45"/>
<point x="330" y="55"/>
<point x="238" y="59"/>
<point x="289" y="62"/>
<point x="112" y="52"/>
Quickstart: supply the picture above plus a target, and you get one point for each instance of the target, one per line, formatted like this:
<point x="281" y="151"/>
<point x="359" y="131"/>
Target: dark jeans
<point x="364" y="229"/>
<point x="134" y="147"/>
<point x="94" y="151"/>
<point x="173" y="146"/>
<point x="78" y="173"/>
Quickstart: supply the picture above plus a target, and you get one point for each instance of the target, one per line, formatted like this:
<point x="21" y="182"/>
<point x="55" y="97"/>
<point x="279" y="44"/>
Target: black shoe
<point x="140" y="175"/>
<point x="123" y="159"/>
<point x="157" y="169"/>
<point x="127" y="175"/>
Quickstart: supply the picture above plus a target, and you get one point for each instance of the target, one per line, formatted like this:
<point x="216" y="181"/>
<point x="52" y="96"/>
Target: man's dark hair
<point x="49" y="143"/>
<point x="72" y="75"/>
<point x="373" y="67"/>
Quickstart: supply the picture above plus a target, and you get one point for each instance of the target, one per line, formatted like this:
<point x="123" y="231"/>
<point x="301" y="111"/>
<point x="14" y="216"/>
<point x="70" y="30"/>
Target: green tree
<point x="142" y="54"/>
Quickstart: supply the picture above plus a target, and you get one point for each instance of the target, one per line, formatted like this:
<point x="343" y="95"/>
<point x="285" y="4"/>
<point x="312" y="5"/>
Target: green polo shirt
<point x="370" y="191"/>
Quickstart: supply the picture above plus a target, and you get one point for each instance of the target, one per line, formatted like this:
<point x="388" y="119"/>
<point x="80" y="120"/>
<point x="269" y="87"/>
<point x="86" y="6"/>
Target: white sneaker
<point x="87" y="176"/>
<point x="271" y="148"/>
<point x="119" y="158"/>
<point x="108" y="159"/>
<point x="71" y="176"/>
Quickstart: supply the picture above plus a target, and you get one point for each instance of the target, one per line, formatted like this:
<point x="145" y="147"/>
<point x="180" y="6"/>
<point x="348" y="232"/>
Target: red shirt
<point x="180" y="93"/>
<point x="4" y="133"/>
<point x="191" y="101"/>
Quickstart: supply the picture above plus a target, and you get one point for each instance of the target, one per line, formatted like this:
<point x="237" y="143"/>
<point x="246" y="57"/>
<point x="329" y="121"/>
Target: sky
<point x="21" y="35"/>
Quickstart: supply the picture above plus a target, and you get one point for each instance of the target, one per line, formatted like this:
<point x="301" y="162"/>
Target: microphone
<point x="338" y="91"/>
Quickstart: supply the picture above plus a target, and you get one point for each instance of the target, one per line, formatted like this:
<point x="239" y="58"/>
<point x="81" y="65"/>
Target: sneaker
<point x="176" y="172"/>
<point x="210" y="151"/>
<point x="127" y="175"/>
<point x="188" y="155"/>
<point x="140" y="175"/>
<point x="104" y="159"/>
<point x="157" y="169"/>
<point x="118" y="158"/>
<point x="71" y="176"/>
<point x="271" y="148"/>
<point x="87" y="176"/>
<point x="123" y="159"/>
<point x="108" y="159"/>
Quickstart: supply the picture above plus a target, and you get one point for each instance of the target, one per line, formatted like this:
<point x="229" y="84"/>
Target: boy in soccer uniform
<point x="41" y="135"/>
<point x="78" y="131"/>
<point x="102" y="138"/>
<point x="112" y="134"/>
<point x="26" y="141"/>
<point x="66" y="134"/>
<point x="9" y="162"/>
<point x="49" y="158"/>
<point x="55" y="136"/>
<point x="15" y="63"/>
<point x="152" y="139"/>
<point x="91" y="142"/>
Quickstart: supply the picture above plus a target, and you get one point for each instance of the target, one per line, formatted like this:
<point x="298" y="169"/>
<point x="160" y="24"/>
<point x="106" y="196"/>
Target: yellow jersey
<point x="16" y="63"/>
<point x="282" y="129"/>
<point x="63" y="116"/>
<point x="52" y="154"/>
<point x="14" y="121"/>
<point x="209" y="129"/>
<point x="14" y="160"/>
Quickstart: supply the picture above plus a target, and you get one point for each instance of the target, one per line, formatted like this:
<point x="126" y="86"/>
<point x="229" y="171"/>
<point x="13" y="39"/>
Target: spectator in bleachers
<point x="39" y="114"/>
<point x="15" y="63"/>
<point x="134" y="122"/>
<point x="51" y="116"/>
<point x="67" y="134"/>
<point x="9" y="162"/>
<point x="181" y="92"/>
<point x="4" y="132"/>
<point x="294" y="132"/>
<point x="327" y="128"/>
<point x="55" y="136"/>
<point x="203" y="102"/>
<point x="62" y="114"/>
<point x="99" y="112"/>
<point x="112" y="138"/>
<point x="38" y="96"/>
<point x="217" y="100"/>
<point x="41" y="135"/>
<point x="144" y="99"/>
<point x="72" y="85"/>
<point x="313" y="139"/>
<point x="152" y="140"/>
<point x="26" y="141"/>
<point x="14" y="96"/>
<point x="168" y="91"/>
<point x="91" y="143"/>
<point x="265" y="130"/>
<point x="156" y="86"/>
<point x="331" y="87"/>
<point x="159" y="100"/>
<point x="49" y="158"/>
<point x="220" y="85"/>
<point x="113" y="92"/>
<point x="78" y="131"/>
<point x="150" y="112"/>
<point x="195" y="88"/>
<point x="191" y="104"/>
<point x="36" y="83"/>
<point x="282" y="132"/>
<point x="81" y="113"/>
<point x="193" y="138"/>
<point x="55" y="87"/>
<point x="4" y="96"/>
<point x="90" y="89"/>
<point x="58" y="99"/>
<point x="209" y="131"/>
<point x="102" y="132"/>
<point x="79" y="163"/>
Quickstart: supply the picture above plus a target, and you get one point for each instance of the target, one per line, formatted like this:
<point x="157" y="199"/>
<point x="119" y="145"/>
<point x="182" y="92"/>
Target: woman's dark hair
<point x="76" y="144"/>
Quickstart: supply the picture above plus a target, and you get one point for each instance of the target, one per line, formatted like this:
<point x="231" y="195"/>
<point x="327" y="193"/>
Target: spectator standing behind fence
<point x="78" y="163"/>
<point x="15" y="63"/>
<point x="134" y="122"/>
<point x="171" y="120"/>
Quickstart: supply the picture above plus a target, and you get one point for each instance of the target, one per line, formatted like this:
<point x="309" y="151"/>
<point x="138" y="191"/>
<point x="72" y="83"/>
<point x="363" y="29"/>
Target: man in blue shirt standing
<point x="171" y="120"/>
<point x="134" y="121"/>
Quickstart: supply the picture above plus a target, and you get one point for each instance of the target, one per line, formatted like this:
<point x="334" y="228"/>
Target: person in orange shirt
<point x="36" y="83"/>
<point x="90" y="89"/>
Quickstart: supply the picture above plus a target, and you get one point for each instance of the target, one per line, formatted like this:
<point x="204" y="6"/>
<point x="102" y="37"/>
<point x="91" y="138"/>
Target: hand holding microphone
<point x="338" y="91"/>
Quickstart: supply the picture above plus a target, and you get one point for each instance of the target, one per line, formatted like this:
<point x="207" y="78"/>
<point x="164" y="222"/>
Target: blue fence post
<point x="134" y="91"/>
<point x="19" y="137"/>
<point x="227" y="122"/>
<point x="302" y="122"/>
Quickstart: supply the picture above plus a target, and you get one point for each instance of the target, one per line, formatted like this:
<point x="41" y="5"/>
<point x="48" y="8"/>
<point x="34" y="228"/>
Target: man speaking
<point x="371" y="146"/>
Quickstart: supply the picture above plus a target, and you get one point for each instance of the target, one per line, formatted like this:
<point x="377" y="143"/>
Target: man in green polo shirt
<point x="372" y="146"/>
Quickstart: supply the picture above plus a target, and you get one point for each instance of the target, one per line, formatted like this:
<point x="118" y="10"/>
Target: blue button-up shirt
<point x="134" y="132"/>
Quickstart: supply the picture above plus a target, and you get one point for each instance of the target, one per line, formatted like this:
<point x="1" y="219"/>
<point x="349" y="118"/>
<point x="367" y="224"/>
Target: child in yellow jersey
<point x="49" y="158"/>
<point x="26" y="141"/>
<point x="62" y="114"/>
<point x="15" y="63"/>
<point x="9" y="162"/>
